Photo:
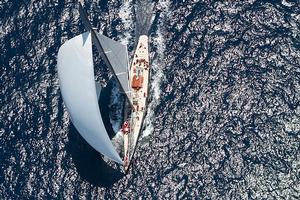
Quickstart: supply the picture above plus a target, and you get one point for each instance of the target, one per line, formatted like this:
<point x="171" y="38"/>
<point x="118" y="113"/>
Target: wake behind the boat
<point x="157" y="66"/>
<point x="126" y="15"/>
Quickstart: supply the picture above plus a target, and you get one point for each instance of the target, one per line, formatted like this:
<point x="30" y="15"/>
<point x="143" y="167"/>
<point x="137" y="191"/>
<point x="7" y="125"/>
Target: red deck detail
<point x="137" y="82"/>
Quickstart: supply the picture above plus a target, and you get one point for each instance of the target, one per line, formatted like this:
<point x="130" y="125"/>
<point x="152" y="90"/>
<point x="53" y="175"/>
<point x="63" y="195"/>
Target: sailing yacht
<point x="81" y="92"/>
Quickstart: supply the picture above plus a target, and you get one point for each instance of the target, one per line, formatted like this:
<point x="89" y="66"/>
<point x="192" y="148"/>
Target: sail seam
<point x="121" y="73"/>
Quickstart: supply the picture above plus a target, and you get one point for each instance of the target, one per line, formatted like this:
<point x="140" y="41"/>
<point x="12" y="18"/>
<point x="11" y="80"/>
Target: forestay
<point x="77" y="84"/>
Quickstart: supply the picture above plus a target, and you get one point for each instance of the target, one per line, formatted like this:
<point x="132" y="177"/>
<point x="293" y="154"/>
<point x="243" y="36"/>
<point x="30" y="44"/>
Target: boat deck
<point x="139" y="71"/>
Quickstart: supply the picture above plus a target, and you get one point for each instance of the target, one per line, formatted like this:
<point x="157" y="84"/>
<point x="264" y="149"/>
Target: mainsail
<point x="78" y="88"/>
<point x="116" y="56"/>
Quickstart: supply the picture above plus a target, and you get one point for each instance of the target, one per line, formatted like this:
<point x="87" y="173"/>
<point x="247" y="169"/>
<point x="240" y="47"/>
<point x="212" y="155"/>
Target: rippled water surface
<point x="224" y="115"/>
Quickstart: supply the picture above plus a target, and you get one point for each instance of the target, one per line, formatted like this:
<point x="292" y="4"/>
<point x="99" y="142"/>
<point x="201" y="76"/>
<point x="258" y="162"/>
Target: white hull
<point x="139" y="71"/>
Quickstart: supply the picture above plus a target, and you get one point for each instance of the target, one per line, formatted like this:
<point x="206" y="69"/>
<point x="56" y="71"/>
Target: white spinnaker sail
<point x="77" y="84"/>
<point x="117" y="56"/>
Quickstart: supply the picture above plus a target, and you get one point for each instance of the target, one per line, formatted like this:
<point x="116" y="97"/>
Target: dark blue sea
<point x="223" y="120"/>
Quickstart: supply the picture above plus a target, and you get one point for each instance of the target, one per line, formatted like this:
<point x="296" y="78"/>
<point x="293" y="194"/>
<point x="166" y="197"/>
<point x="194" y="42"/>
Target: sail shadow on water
<point x="89" y="163"/>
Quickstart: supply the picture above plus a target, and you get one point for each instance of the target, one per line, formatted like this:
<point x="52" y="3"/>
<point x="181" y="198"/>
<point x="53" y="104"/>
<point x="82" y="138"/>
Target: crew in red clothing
<point x="126" y="160"/>
<point x="125" y="128"/>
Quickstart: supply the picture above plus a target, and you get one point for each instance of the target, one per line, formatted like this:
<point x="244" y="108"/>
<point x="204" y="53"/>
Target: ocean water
<point x="224" y="114"/>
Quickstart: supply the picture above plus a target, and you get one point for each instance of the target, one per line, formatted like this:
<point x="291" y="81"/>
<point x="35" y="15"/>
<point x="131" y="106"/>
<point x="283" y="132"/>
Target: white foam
<point x="118" y="141"/>
<point x="288" y="4"/>
<point x="164" y="6"/>
<point x="155" y="91"/>
<point x="127" y="19"/>
<point x="157" y="66"/>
